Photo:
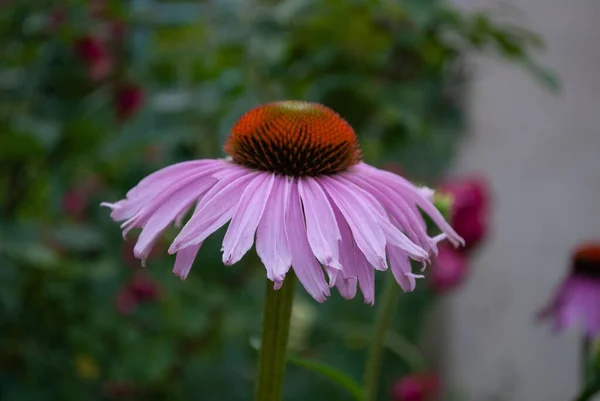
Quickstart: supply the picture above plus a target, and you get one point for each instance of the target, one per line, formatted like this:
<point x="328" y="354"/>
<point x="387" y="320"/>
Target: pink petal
<point x="362" y="220"/>
<point x="351" y="258"/>
<point x="154" y="184"/>
<point x="401" y="269"/>
<point x="393" y="235"/>
<point x="412" y="194"/>
<point x="321" y="227"/>
<point x="240" y="234"/>
<point x="214" y="210"/>
<point x="408" y="218"/>
<point x="305" y="265"/>
<point x="184" y="259"/>
<point x="271" y="240"/>
<point x="151" y="204"/>
<point x="168" y="206"/>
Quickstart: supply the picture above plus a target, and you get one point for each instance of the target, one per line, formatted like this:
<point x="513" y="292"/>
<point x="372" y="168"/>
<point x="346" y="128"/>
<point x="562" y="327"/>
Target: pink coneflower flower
<point x="577" y="300"/>
<point x="295" y="179"/>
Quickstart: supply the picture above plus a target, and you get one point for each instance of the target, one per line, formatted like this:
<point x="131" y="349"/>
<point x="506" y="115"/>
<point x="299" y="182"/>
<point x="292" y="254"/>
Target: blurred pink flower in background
<point x="94" y="52"/>
<point x="128" y="100"/>
<point x="449" y="269"/>
<point x="141" y="288"/>
<point x="577" y="300"/>
<point x="416" y="387"/>
<point x="470" y="208"/>
<point x="76" y="200"/>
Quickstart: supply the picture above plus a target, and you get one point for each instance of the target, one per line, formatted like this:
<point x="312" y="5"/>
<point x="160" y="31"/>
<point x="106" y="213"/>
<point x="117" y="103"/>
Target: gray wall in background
<point x="541" y="153"/>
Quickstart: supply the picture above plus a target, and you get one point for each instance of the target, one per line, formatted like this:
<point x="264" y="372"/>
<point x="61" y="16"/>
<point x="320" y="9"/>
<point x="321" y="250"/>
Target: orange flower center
<point x="586" y="260"/>
<point x="293" y="138"/>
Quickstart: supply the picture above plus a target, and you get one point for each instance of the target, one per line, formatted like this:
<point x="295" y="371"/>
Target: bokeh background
<point x="463" y="96"/>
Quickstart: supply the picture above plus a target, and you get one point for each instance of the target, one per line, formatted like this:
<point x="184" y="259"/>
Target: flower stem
<point x="275" y="328"/>
<point x="385" y="314"/>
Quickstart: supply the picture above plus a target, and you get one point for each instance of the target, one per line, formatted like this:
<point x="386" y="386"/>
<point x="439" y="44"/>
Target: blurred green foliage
<point x="96" y="94"/>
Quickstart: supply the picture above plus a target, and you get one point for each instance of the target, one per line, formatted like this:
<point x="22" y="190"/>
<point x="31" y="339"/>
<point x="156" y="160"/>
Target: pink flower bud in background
<point x="94" y="52"/>
<point x="449" y="269"/>
<point x="76" y="200"/>
<point x="74" y="203"/>
<point x="470" y="208"/>
<point x="128" y="100"/>
<point x="141" y="288"/>
<point x="416" y="387"/>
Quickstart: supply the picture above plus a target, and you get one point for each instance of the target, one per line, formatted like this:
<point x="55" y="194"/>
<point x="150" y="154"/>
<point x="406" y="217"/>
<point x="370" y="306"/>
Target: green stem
<point x="276" y="325"/>
<point x="589" y="392"/>
<point x="385" y="314"/>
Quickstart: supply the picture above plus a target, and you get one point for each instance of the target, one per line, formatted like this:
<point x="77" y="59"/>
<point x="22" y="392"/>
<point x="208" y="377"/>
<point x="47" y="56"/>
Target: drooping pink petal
<point x="169" y="175"/>
<point x="167" y="207"/>
<point x="214" y="210"/>
<point x="577" y="303"/>
<point x="305" y="265"/>
<point x="271" y="239"/>
<point x="407" y="190"/>
<point x="184" y="260"/>
<point x="190" y="188"/>
<point x="363" y="222"/>
<point x="401" y="269"/>
<point x="353" y="263"/>
<point x="408" y="218"/>
<point x="321" y="227"/>
<point x="240" y="234"/>
<point x="393" y="235"/>
<point x="155" y="184"/>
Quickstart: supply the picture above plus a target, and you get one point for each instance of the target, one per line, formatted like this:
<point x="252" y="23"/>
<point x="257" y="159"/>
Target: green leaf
<point x="331" y="373"/>
<point x="542" y="74"/>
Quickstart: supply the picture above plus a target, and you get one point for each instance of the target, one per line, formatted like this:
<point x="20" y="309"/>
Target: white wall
<point x="541" y="153"/>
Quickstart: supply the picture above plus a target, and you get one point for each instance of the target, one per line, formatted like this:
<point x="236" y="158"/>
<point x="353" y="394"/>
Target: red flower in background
<point x="141" y="288"/>
<point x="94" y="52"/>
<point x="470" y="209"/>
<point x="128" y="100"/>
<point x="416" y="387"/>
<point x="449" y="269"/>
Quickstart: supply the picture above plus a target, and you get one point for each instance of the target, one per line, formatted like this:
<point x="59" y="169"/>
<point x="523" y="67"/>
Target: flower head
<point x="416" y="387"/>
<point x="295" y="181"/>
<point x="577" y="300"/>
